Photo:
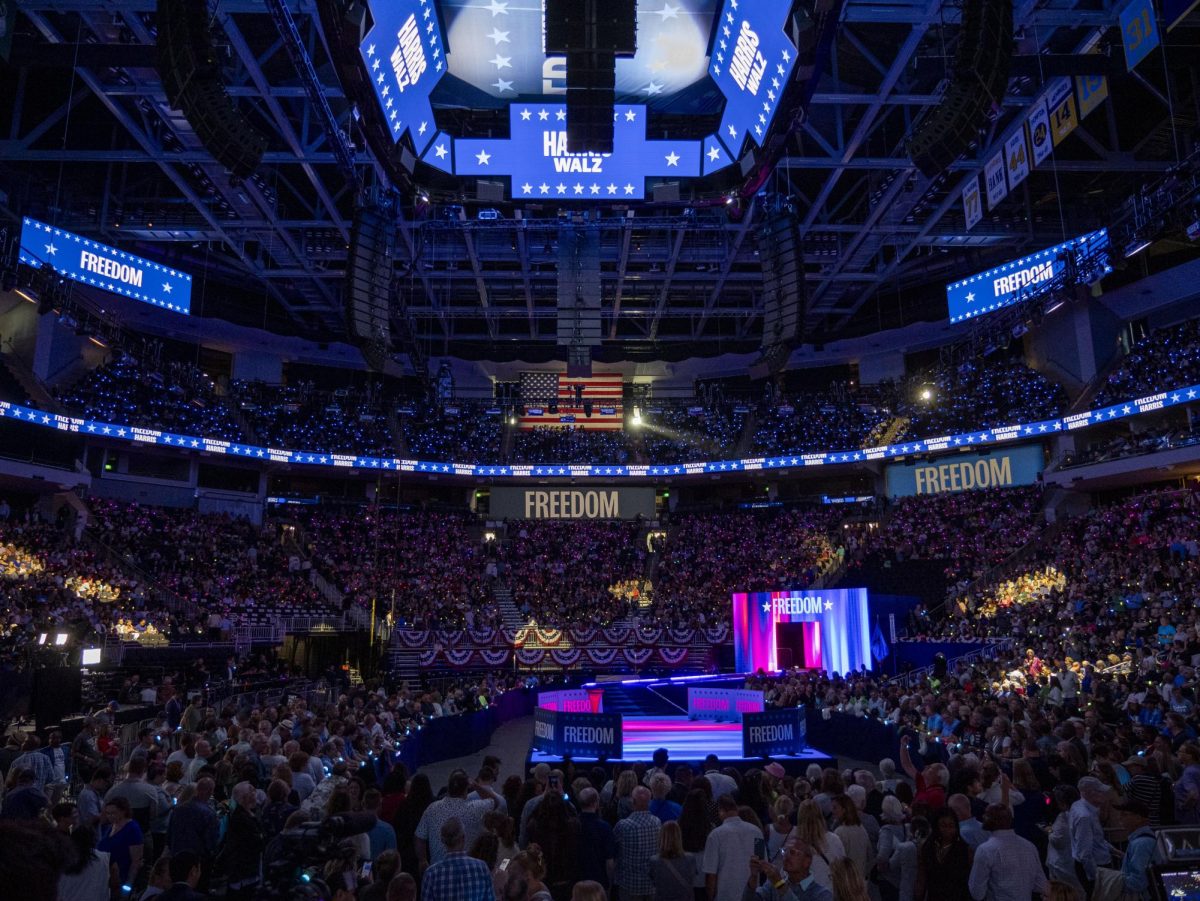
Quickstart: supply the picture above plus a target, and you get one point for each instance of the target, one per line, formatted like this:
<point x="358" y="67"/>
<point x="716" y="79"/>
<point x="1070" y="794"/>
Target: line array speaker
<point x="367" y="290"/>
<point x="191" y="76"/>
<point x="780" y="250"/>
<point x="977" y="84"/>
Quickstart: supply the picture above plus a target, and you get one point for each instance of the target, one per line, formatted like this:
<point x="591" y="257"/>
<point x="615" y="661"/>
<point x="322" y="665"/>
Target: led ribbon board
<point x="92" y="263"/>
<point x="983" y="438"/>
<point x="405" y="56"/>
<point x="1011" y="282"/>
<point x="751" y="61"/>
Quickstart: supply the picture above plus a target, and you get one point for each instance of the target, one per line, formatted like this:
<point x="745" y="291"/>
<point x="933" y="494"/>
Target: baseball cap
<point x="1092" y="783"/>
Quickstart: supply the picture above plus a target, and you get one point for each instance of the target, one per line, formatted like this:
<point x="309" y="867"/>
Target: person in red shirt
<point x="931" y="781"/>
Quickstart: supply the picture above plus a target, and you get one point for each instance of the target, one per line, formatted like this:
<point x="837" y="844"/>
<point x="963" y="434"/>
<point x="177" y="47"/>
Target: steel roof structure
<point x="91" y="144"/>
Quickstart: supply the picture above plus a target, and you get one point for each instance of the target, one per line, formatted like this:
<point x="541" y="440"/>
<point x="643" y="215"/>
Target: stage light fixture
<point x="636" y="419"/>
<point x="90" y="657"/>
<point x="1137" y="247"/>
<point x="60" y="639"/>
<point x="42" y="636"/>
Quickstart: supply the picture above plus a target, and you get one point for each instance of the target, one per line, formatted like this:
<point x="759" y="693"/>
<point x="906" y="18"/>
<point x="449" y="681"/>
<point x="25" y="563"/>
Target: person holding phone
<point x="792" y="881"/>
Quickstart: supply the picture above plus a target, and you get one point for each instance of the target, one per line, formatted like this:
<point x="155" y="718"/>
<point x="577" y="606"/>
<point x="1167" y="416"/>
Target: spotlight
<point x="926" y="394"/>
<point x="42" y="636"/>
<point x="90" y="657"/>
<point x="636" y="419"/>
<point x="60" y="639"/>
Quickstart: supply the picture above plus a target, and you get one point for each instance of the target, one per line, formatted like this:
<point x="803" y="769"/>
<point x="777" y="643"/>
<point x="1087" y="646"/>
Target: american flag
<point x="602" y="392"/>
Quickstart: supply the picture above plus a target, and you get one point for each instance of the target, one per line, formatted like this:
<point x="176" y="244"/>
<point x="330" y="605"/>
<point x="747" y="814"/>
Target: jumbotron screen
<point x="721" y="57"/>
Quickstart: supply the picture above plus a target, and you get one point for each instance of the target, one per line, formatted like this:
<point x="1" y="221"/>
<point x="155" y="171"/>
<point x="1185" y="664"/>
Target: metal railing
<point x="993" y="649"/>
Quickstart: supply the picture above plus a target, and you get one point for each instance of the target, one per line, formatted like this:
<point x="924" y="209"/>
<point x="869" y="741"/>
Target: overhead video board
<point x="986" y="292"/>
<point x="108" y="268"/>
<point x="424" y="55"/>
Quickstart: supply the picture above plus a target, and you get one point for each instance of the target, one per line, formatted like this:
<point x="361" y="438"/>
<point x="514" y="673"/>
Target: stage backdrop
<point x="834" y="622"/>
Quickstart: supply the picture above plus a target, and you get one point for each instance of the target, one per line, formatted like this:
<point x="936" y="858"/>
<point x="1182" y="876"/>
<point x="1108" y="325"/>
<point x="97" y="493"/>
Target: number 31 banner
<point x="1139" y="31"/>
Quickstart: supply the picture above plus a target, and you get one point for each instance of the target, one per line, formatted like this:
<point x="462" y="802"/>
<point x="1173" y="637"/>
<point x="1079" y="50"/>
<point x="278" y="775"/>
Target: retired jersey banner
<point x="1139" y="31"/>
<point x="965" y="472"/>
<point x="1016" y="158"/>
<point x="1061" y="105"/>
<point x="993" y="179"/>
<point x="572" y="503"/>
<point x="1092" y="91"/>
<point x="972" y="206"/>
<point x="1039" y="132"/>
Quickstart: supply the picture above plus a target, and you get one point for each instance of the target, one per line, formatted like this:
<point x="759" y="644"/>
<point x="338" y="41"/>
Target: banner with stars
<point x="405" y="56"/>
<point x="1018" y="280"/>
<point x="751" y="62"/>
<point x="92" y="263"/>
<point x="535" y="156"/>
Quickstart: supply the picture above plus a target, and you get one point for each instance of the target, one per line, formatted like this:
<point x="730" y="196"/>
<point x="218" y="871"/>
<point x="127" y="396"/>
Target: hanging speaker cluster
<point x="191" y="77"/>
<point x="977" y="85"/>
<point x="591" y="34"/>
<point x="368" y="287"/>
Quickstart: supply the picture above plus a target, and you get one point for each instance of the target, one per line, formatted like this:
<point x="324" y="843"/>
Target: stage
<point x="653" y="714"/>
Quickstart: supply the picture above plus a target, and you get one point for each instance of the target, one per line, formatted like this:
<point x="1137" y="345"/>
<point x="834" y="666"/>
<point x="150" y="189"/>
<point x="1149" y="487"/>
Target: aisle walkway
<point x="510" y="743"/>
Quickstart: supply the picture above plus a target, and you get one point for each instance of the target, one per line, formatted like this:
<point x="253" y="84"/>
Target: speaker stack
<point x="591" y="34"/>
<point x="191" y="77"/>
<point x="780" y="251"/>
<point x="977" y="85"/>
<point x="368" y="286"/>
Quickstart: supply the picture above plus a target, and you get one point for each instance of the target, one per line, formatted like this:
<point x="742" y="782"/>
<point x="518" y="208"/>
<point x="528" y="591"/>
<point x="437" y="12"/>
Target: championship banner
<point x="1039" y="132"/>
<point x="993" y="179"/>
<point x="589" y="736"/>
<point x="572" y="503"/>
<point x="964" y="472"/>
<point x="972" y="207"/>
<point x="723" y="705"/>
<point x="1016" y="158"/>
<point x="774" y="732"/>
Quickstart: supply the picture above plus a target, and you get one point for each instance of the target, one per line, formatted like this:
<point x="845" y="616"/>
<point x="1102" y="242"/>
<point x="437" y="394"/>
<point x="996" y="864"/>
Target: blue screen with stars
<point x="92" y="263"/>
<point x="1023" y="278"/>
<point x="425" y="55"/>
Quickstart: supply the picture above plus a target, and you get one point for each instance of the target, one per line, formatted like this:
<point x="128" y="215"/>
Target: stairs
<point x="37" y="393"/>
<point x="637" y="700"/>
<point x="891" y="434"/>
<point x="510" y="616"/>
<point x="746" y="440"/>
<point x="403" y="663"/>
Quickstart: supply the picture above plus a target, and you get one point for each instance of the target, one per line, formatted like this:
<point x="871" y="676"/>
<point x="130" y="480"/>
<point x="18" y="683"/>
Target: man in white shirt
<point x="1088" y="845"/>
<point x="721" y="784"/>
<point x="727" y="853"/>
<point x="455" y="805"/>
<point x="1006" y="866"/>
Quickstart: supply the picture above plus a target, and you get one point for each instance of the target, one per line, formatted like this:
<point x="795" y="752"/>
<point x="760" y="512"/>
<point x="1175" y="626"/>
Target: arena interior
<point x="639" y="450"/>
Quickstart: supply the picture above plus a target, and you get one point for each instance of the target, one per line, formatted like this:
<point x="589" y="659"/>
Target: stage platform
<point x="690" y="741"/>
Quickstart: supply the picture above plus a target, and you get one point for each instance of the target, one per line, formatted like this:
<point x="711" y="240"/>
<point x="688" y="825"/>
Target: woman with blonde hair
<point x="848" y="883"/>
<point x="781" y="825"/>
<point x="623" y="793"/>
<point x="849" y="828"/>
<point x="826" y="847"/>
<point x="671" y="870"/>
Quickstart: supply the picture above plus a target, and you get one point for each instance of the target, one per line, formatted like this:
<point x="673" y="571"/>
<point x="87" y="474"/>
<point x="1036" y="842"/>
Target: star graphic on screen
<point x="628" y="188"/>
<point x="725" y="31"/>
<point x="630" y="115"/>
<point x="167" y="287"/>
<point x="787" y="57"/>
<point x="371" y="50"/>
<point x="501" y="62"/>
<point x="775" y="83"/>
<point x="729" y="18"/>
<point x="484" y="157"/>
<point x="375" y="66"/>
<point x="767" y="607"/>
<point x="732" y="132"/>
<point x="758" y="130"/>
<point x="668" y="12"/>
<point x="560" y="188"/>
<point x="51" y="249"/>
<point x="653" y="88"/>
<point x="714" y="154"/>
<point x="771" y="96"/>
<point x="525" y="115"/>
<point x="612" y="189"/>
<point x="780" y="69"/>
<point x="499" y="37"/>
<point x="829" y="605"/>
<point x="595" y="189"/>
<point x="423" y="128"/>
<point x="543" y="115"/>
<point x="733" y="4"/>
<point x="544" y="188"/>
<point x="440" y="152"/>
<point x="526" y="188"/>
<point x="578" y="188"/>
<point x="379" y="80"/>
<point x="497" y="9"/>
<point x="971" y="297"/>
<point x="672" y="158"/>
<point x="716" y="70"/>
<point x="501" y="85"/>
<point x="560" y="115"/>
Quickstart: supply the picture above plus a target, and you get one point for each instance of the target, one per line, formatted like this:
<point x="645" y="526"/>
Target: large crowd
<point x="1163" y="359"/>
